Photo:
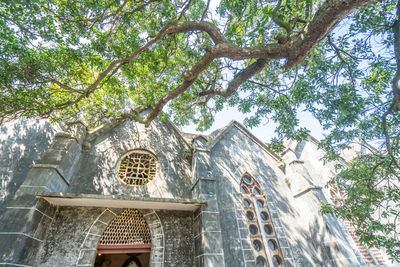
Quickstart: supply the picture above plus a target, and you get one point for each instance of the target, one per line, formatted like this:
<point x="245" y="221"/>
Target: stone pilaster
<point x="25" y="220"/>
<point x="206" y="226"/>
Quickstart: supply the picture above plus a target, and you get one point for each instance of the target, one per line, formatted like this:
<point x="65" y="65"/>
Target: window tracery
<point x="263" y="238"/>
<point x="138" y="167"/>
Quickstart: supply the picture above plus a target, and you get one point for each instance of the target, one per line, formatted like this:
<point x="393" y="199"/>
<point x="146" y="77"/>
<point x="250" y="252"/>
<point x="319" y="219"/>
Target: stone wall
<point x="324" y="235"/>
<point x="215" y="235"/>
<point x="293" y="186"/>
<point x="75" y="231"/>
<point x="233" y="155"/>
<point x="22" y="143"/>
<point x="96" y="172"/>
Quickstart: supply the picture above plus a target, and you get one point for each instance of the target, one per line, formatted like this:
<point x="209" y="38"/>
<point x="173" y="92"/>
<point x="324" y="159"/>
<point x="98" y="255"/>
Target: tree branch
<point x="326" y="18"/>
<point x="294" y="50"/>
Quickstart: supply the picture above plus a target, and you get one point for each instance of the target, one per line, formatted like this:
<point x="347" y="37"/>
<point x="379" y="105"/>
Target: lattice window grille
<point x="137" y="168"/>
<point x="128" y="228"/>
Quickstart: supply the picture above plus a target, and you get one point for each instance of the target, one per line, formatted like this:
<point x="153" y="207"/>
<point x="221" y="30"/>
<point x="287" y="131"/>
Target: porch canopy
<point x="120" y="201"/>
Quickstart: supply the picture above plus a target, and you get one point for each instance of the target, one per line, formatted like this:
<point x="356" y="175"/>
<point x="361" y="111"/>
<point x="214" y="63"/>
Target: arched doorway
<point x="126" y="242"/>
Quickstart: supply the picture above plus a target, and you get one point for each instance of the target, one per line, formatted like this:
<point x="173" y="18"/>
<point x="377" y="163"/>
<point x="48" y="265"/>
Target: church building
<point x="134" y="196"/>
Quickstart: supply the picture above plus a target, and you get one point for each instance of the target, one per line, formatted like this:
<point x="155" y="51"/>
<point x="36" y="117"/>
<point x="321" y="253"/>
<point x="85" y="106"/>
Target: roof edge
<point x="248" y="133"/>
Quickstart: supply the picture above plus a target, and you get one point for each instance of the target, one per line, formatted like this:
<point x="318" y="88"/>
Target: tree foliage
<point x="96" y="60"/>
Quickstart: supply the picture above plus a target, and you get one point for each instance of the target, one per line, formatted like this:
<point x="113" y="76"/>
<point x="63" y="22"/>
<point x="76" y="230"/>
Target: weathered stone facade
<point x="55" y="212"/>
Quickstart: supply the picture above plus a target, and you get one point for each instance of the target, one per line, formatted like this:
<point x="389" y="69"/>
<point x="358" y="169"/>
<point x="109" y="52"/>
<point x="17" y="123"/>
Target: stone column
<point x="206" y="226"/>
<point x="24" y="223"/>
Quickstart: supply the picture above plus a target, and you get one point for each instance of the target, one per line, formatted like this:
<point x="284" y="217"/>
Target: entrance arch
<point x="89" y="248"/>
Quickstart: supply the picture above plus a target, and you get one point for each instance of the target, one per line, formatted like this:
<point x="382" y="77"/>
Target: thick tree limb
<point x="396" y="45"/>
<point x="294" y="50"/>
<point x="325" y="19"/>
<point x="395" y="104"/>
<point x="190" y="77"/>
<point x="239" y="79"/>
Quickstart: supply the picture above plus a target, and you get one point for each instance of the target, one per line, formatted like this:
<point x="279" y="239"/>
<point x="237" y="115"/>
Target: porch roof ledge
<point x="120" y="201"/>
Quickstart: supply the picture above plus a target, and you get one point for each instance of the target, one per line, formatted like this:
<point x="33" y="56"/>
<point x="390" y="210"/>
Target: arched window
<point x="263" y="238"/>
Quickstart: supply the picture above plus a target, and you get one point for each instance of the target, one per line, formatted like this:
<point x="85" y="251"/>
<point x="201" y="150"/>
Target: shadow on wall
<point x="21" y="144"/>
<point x="311" y="240"/>
<point x="237" y="155"/>
<point x="314" y="242"/>
<point x="96" y="173"/>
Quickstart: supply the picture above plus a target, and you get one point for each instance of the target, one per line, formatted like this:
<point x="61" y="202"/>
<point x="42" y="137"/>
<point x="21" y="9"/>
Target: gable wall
<point x="305" y="236"/>
<point x="233" y="155"/>
<point x="96" y="172"/>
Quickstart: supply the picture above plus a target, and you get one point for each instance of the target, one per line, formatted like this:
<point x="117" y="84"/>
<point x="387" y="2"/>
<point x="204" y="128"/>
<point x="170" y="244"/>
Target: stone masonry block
<point x="40" y="176"/>
<point x="91" y="241"/>
<point x="78" y="130"/>
<point x="210" y="221"/>
<point x="246" y="244"/>
<point x="242" y="223"/>
<point x="197" y="212"/>
<point x="18" y="249"/>
<point x="45" y="179"/>
<point x="195" y="192"/>
<point x="197" y="225"/>
<point x="212" y="205"/>
<point x="25" y="196"/>
<point x="62" y="143"/>
<point x="248" y="254"/>
<point x="198" y="247"/>
<point x="156" y="264"/>
<point x="156" y="229"/>
<point x="57" y="184"/>
<point x="289" y="263"/>
<point x="87" y="256"/>
<point x="277" y="223"/>
<point x="98" y="228"/>
<point x="150" y="218"/>
<point x="244" y="233"/>
<point x="107" y="216"/>
<point x="20" y="221"/>
<point x="250" y="263"/>
<point x="55" y="157"/>
<point x="157" y="240"/>
<point x="157" y="255"/>
<point x="286" y="253"/>
<point x="212" y="242"/>
<point x="45" y="207"/>
<point x="213" y="260"/>
<point x="199" y="261"/>
<point x="207" y="188"/>
<point x="42" y="227"/>
<point x="283" y="243"/>
<point x="279" y="231"/>
<point x="275" y="215"/>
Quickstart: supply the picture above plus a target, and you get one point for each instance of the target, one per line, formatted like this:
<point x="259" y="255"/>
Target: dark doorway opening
<point x="123" y="256"/>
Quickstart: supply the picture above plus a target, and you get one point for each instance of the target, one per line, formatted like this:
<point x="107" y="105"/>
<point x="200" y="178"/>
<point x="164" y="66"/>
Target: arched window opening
<point x="264" y="241"/>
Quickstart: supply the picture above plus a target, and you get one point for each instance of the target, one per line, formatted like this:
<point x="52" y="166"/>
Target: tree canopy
<point x="338" y="59"/>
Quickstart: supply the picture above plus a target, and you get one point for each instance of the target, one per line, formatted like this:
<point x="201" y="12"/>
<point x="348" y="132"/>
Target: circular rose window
<point x="138" y="167"/>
